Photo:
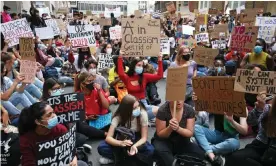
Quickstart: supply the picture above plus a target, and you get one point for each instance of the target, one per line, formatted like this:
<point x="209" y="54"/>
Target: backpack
<point x="50" y="72"/>
<point x="188" y="160"/>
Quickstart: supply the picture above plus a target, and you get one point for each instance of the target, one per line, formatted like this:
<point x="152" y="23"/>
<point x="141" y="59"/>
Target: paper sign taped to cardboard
<point x="28" y="69"/>
<point x="205" y="56"/>
<point x="216" y="95"/>
<point x="105" y="61"/>
<point x="202" y="37"/>
<point x="44" y="33"/>
<point x="176" y="83"/>
<point x="115" y="32"/>
<point x="267" y="26"/>
<point x="255" y="82"/>
<point x="140" y="37"/>
<point x="165" y="46"/>
<point x="26" y="46"/>
<point x="82" y="35"/>
<point x="243" y="38"/>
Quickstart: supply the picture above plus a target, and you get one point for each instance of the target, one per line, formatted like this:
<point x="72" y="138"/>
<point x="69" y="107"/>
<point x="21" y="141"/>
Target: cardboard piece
<point x="68" y="107"/>
<point x="251" y="81"/>
<point x="52" y="152"/>
<point x="44" y="33"/>
<point x="52" y="23"/>
<point x="137" y="13"/>
<point x="202" y="37"/>
<point x="141" y="37"/>
<point x="267" y="26"/>
<point x="243" y="38"/>
<point x="205" y="56"/>
<point x="213" y="11"/>
<point x="26" y="45"/>
<point x="191" y="43"/>
<point x="104" y="21"/>
<point x="216" y="95"/>
<point x="13" y="30"/>
<point x="176" y="83"/>
<point x="165" y="46"/>
<point x="220" y="28"/>
<point x="170" y="7"/>
<point x="28" y="69"/>
<point x="248" y="15"/>
<point x="81" y="35"/>
<point x="105" y="61"/>
<point x="201" y="22"/>
<point x="115" y="32"/>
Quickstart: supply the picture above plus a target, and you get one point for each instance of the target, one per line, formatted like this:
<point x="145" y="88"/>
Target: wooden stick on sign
<point x="174" y="109"/>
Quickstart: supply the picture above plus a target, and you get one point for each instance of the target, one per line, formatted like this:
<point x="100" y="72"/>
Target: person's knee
<point x="198" y="128"/>
<point x="149" y="149"/>
<point x="234" y="144"/>
<point x="103" y="148"/>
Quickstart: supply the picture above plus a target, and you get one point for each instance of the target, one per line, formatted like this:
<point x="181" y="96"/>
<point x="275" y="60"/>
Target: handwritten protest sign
<point x="170" y="7"/>
<point x="115" y="32"/>
<point x="97" y="28"/>
<point x="45" y="33"/>
<point x="205" y="56"/>
<point x="28" y="69"/>
<point x="26" y="46"/>
<point x="267" y="26"/>
<point x="218" y="29"/>
<point x="52" y="23"/>
<point x="116" y="12"/>
<point x="251" y="81"/>
<point x="187" y="42"/>
<point x="219" y="44"/>
<point x="13" y="30"/>
<point x="105" y="61"/>
<point x="141" y="37"/>
<point x="248" y="15"/>
<point x="82" y="36"/>
<point x="176" y="82"/>
<point x="188" y="30"/>
<point x="165" y="46"/>
<point x="243" y="38"/>
<point x="105" y="21"/>
<point x="69" y="107"/>
<point x="137" y="13"/>
<point x="201" y="23"/>
<point x="216" y="95"/>
<point x="59" y="151"/>
<point x="202" y="37"/>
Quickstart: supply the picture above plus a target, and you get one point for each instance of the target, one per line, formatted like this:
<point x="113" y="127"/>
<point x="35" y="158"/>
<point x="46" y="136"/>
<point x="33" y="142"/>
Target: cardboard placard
<point x="202" y="37"/>
<point x="188" y="30"/>
<point x="205" y="56"/>
<point x="191" y="43"/>
<point x="219" y="44"/>
<point x="82" y="35"/>
<point x="165" y="46"/>
<point x="218" y="29"/>
<point x="28" y="69"/>
<point x="116" y="12"/>
<point x="176" y="83"/>
<point x="248" y="15"/>
<point x="105" y="21"/>
<point x="26" y="46"/>
<point x="61" y="25"/>
<point x="216" y="95"/>
<point x="137" y="13"/>
<point x="105" y="61"/>
<point x="52" y="23"/>
<point x="13" y="30"/>
<point x="267" y="26"/>
<point x="213" y="11"/>
<point x="59" y="151"/>
<point x="201" y="22"/>
<point x="243" y="38"/>
<point x="44" y="33"/>
<point x="115" y="32"/>
<point x="255" y="82"/>
<point x="141" y="37"/>
<point x="68" y="107"/>
<point x="170" y="7"/>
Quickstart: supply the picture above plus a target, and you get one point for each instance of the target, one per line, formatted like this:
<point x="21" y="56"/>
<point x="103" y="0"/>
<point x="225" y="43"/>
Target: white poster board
<point x="44" y="33"/>
<point x="202" y="37"/>
<point x="116" y="12"/>
<point x="115" y="32"/>
<point x="188" y="30"/>
<point x="53" y="23"/>
<point x="82" y="35"/>
<point x="165" y="46"/>
<point x="267" y="26"/>
<point x="97" y="28"/>
<point x="13" y="30"/>
<point x="105" y="61"/>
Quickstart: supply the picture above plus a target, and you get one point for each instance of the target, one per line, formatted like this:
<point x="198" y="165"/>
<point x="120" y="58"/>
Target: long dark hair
<point x="29" y="115"/>
<point x="131" y="70"/>
<point x="89" y="62"/>
<point x="115" y="61"/>
<point x="2" y="70"/>
<point x="104" y="48"/>
<point x="269" y="120"/>
<point x="48" y="84"/>
<point x="82" y="57"/>
<point x="124" y="111"/>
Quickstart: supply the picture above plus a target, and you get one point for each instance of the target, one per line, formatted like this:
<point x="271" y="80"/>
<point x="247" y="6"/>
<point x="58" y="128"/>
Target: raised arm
<point x="123" y="76"/>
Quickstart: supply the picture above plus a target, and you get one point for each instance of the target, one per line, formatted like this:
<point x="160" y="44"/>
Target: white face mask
<point x="109" y="50"/>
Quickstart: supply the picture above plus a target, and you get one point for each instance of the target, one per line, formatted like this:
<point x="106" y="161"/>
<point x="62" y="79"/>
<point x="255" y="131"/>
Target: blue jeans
<point x="221" y="143"/>
<point x="33" y="90"/>
<point x="15" y="99"/>
<point x="148" y="108"/>
<point x="105" y="150"/>
<point x="165" y="65"/>
<point x="38" y="83"/>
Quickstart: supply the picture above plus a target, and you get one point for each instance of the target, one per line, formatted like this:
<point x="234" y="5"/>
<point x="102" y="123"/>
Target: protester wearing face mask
<point x="84" y="54"/>
<point x="39" y="123"/>
<point x="218" y="69"/>
<point x="259" y="56"/>
<point x="130" y="114"/>
<point x="51" y="88"/>
<point x="136" y="80"/>
<point x="6" y="14"/>
<point x="107" y="49"/>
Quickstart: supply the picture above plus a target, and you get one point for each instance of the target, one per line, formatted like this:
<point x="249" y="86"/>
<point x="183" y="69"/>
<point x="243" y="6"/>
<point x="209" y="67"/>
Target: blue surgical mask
<point x="219" y="69"/>
<point x="136" y="112"/>
<point x="15" y="64"/>
<point x="56" y="92"/>
<point x="52" y="122"/>
<point x="138" y="70"/>
<point x="258" y="49"/>
<point x="42" y="47"/>
<point x="54" y="45"/>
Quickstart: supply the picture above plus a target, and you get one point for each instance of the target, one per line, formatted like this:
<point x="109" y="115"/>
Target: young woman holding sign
<point x="38" y="123"/>
<point x="136" y="80"/>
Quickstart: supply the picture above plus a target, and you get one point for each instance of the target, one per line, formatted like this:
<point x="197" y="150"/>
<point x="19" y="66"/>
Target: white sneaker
<point x="105" y="161"/>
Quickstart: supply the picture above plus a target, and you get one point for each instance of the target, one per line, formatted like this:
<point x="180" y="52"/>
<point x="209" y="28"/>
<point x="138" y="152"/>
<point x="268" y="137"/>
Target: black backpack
<point x="188" y="160"/>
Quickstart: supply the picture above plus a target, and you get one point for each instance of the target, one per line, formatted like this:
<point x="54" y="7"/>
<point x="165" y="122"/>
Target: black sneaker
<point x="218" y="161"/>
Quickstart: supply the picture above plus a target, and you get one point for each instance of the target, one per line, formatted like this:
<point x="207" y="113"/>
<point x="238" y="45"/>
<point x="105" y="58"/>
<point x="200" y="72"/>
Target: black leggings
<point x="90" y="132"/>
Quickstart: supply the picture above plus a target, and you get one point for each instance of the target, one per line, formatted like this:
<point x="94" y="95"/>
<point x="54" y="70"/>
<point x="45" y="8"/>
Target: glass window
<point x="103" y="7"/>
<point x="236" y="4"/>
<point x="125" y="8"/>
<point x="94" y="7"/>
<point x="99" y="7"/>
<point x="205" y="4"/>
<point x="185" y="3"/>
<point x="201" y="4"/>
<point x="122" y="8"/>
<point x="242" y="3"/>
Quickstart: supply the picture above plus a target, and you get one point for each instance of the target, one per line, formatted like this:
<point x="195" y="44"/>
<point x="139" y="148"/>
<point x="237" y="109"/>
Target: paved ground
<point x="161" y="90"/>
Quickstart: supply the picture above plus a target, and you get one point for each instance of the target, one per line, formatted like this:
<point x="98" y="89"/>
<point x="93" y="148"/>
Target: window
<point x="185" y="3"/>
<point x="103" y="7"/>
<point x="99" y="7"/>
<point x="125" y="8"/>
<point x="201" y="4"/>
<point x="204" y="4"/>
<point x="236" y="4"/>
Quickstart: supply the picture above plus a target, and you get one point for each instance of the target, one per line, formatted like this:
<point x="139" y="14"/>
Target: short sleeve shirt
<point x="101" y="81"/>
<point x="164" y="114"/>
<point x="143" y="122"/>
<point x="6" y="84"/>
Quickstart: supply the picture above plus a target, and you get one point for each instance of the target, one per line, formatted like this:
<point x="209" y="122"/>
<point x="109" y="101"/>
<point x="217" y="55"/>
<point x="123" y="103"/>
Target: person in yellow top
<point x="259" y="56"/>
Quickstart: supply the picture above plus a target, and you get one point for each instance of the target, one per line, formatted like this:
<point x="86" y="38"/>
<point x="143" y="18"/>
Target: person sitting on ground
<point x="68" y="71"/>
<point x="130" y="114"/>
<point x="84" y="54"/>
<point x="173" y="134"/>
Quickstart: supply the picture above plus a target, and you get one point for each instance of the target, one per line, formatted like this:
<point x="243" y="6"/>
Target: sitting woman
<point x="11" y="95"/>
<point x="84" y="54"/>
<point x="132" y="115"/>
<point x="173" y="134"/>
<point x="38" y="123"/>
<point x="136" y="80"/>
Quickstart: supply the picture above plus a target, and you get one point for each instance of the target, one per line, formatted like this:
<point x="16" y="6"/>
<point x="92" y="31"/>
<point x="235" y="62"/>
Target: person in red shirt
<point x="234" y="55"/>
<point x="38" y="123"/>
<point x="136" y="80"/>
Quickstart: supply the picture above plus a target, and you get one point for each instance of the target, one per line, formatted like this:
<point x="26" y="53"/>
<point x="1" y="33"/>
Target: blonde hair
<point x="180" y="53"/>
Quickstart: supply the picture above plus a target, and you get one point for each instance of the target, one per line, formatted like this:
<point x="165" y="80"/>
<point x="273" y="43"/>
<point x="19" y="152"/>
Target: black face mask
<point x="90" y="86"/>
<point x="186" y="57"/>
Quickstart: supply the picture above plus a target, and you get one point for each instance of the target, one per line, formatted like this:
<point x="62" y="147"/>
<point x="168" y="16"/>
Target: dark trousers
<point x="152" y="90"/>
<point x="166" y="149"/>
<point x="250" y="155"/>
<point x="90" y="132"/>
